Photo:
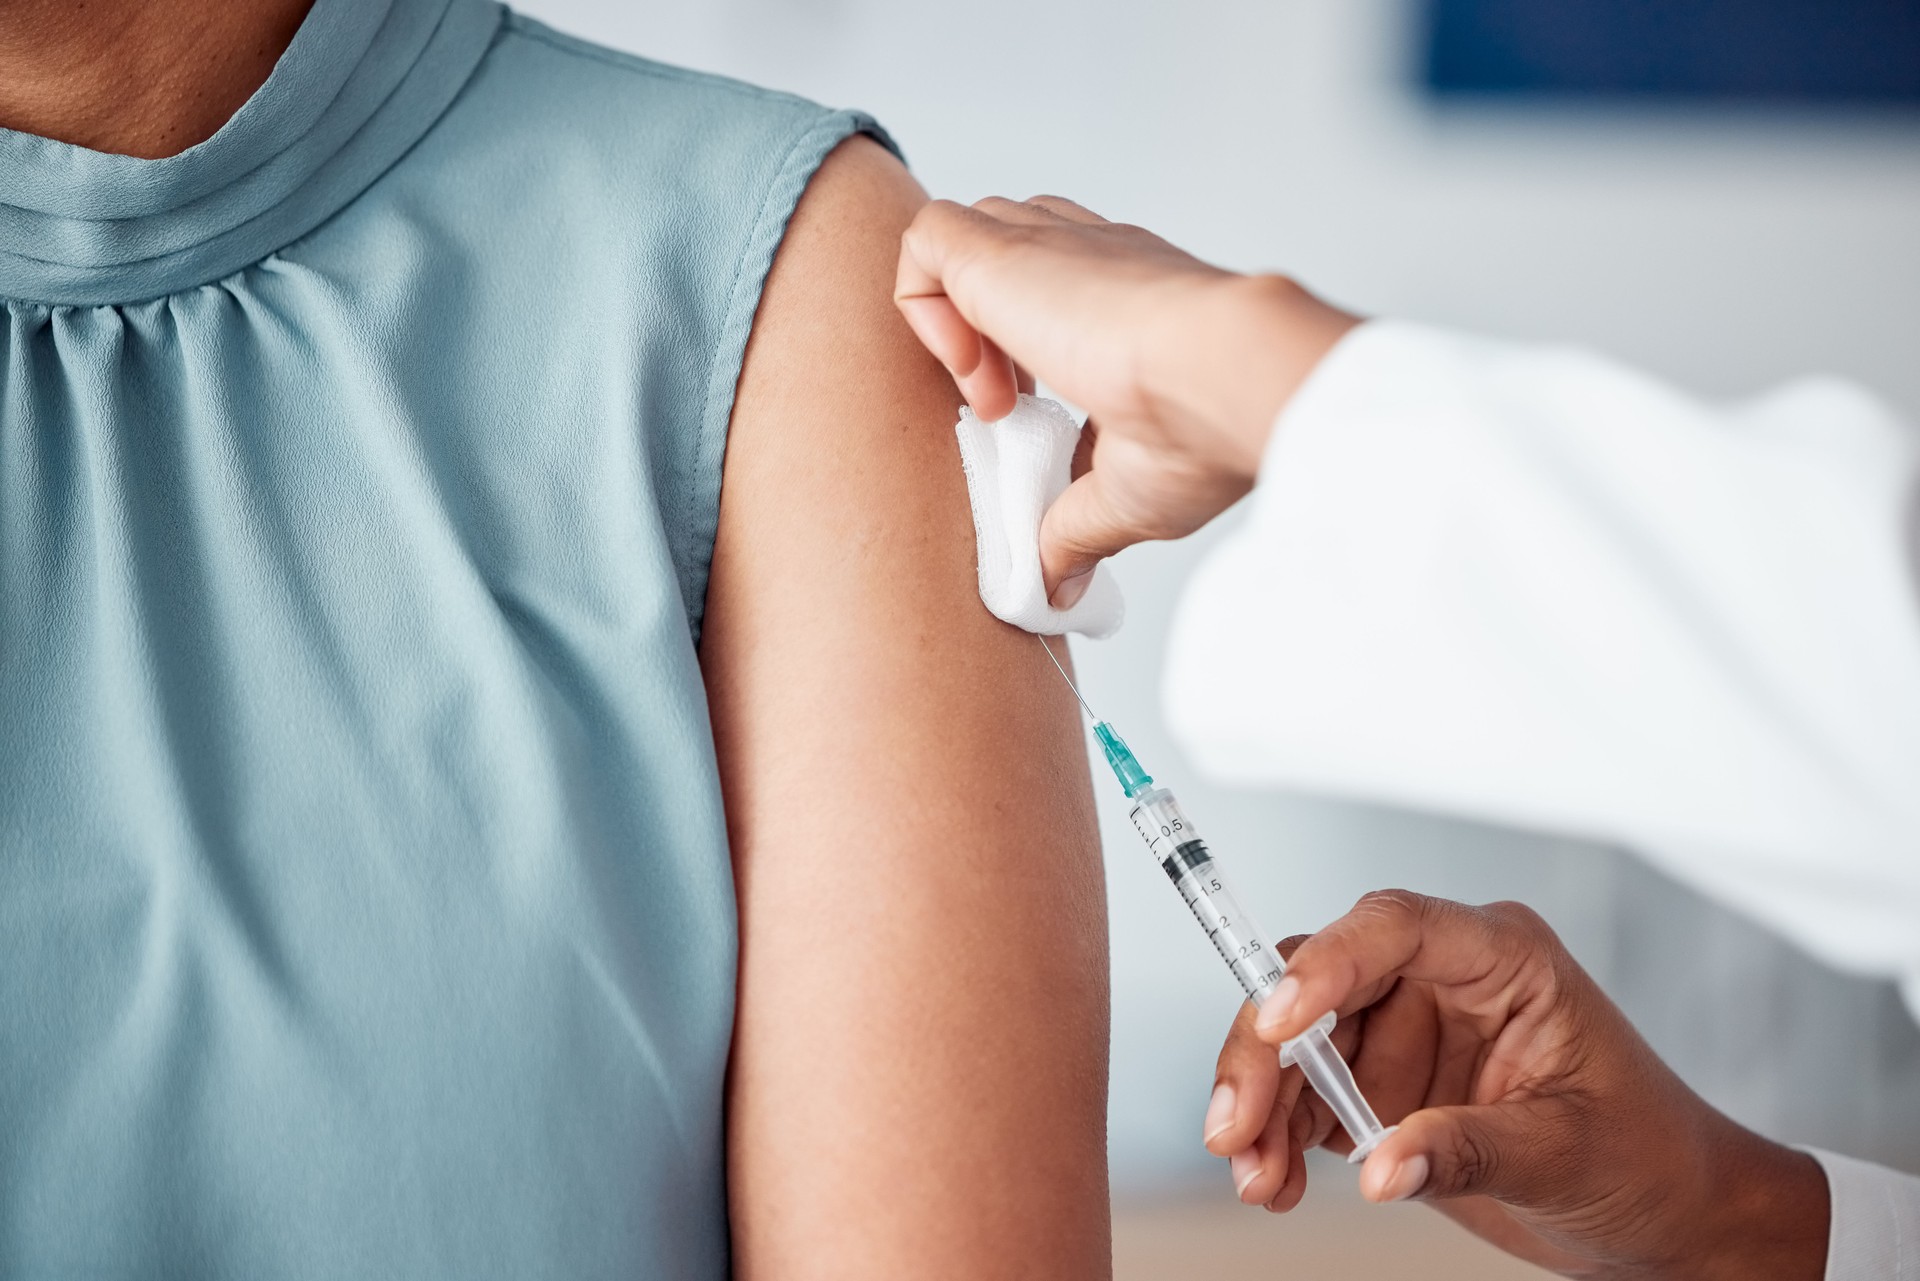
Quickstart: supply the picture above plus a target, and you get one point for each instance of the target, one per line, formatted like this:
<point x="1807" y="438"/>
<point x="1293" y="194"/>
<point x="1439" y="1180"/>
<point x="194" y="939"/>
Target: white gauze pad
<point x="1015" y="468"/>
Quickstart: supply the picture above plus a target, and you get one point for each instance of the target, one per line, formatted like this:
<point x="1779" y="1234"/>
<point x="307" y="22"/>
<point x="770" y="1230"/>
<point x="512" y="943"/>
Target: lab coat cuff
<point x="1874" y="1220"/>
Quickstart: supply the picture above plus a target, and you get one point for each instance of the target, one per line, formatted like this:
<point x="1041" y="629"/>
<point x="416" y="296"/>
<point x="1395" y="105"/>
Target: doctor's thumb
<point x="1078" y="532"/>
<point x="1493" y="1150"/>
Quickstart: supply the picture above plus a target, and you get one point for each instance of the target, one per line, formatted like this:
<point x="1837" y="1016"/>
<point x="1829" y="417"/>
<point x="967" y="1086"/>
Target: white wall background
<point x="1724" y="250"/>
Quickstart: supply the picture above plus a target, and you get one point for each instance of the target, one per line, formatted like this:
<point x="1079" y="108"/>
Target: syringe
<point x="1197" y="875"/>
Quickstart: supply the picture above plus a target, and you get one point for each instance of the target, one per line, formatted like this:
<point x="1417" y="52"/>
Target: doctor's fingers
<point x="1407" y="1060"/>
<point x="940" y="247"/>
<point x="1251" y="1118"/>
<point x="1134" y="490"/>
<point x="1083" y="449"/>
<point x="1484" y="953"/>
<point x="1081" y="528"/>
<point x="1248" y="1088"/>
<point x="1269" y="1169"/>
<point x="1255" y="1100"/>
<point x="1003" y="275"/>
<point x="947" y="239"/>
<point x="1314" y="1123"/>
<point x="964" y="254"/>
<point x="1036" y="209"/>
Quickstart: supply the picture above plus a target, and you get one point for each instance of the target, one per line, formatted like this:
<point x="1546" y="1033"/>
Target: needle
<point x="1068" y="679"/>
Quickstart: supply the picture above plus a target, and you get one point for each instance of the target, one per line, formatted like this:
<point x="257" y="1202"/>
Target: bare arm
<point x="919" y="1065"/>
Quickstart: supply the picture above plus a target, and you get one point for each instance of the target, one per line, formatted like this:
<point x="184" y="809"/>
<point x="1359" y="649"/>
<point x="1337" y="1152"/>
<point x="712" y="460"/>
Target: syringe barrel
<point x="1184" y="857"/>
<point x="1172" y="838"/>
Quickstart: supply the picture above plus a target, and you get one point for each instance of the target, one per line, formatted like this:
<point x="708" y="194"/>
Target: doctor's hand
<point x="1528" y="1107"/>
<point x="1181" y="366"/>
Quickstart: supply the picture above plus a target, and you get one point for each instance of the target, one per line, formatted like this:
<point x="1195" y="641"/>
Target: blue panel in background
<point x="1863" y="52"/>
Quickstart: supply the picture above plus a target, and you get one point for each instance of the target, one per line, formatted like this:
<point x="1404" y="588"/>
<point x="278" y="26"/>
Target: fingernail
<point x="1278" y="1005"/>
<point x="1219" y="1112"/>
<point x="1404" y="1179"/>
<point x="1246" y="1168"/>
<point x="1070" y="590"/>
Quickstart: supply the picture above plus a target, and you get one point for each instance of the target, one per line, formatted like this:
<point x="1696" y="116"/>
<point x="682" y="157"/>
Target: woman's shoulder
<point x="553" y="98"/>
<point x="634" y="160"/>
<point x="568" y="63"/>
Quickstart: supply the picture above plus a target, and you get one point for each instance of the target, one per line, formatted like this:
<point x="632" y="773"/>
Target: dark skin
<point x="136" y="77"/>
<point x="1529" y="1108"/>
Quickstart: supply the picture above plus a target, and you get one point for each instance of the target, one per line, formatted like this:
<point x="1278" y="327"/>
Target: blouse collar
<point x="360" y="83"/>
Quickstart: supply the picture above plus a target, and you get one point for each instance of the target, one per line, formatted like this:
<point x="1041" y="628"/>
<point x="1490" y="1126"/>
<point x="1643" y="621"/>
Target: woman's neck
<point x="145" y="78"/>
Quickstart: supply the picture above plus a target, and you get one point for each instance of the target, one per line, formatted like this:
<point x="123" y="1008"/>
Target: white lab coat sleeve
<point x="1873" y="1231"/>
<point x="1528" y="585"/>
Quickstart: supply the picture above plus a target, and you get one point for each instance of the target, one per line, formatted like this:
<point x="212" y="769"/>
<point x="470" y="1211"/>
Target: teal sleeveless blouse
<point x="365" y="904"/>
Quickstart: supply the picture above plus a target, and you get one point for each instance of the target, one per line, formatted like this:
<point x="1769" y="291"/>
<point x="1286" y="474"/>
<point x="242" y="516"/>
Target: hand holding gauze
<point x="1180" y="365"/>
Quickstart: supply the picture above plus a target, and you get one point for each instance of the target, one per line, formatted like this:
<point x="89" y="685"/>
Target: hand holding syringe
<point x="1197" y="875"/>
